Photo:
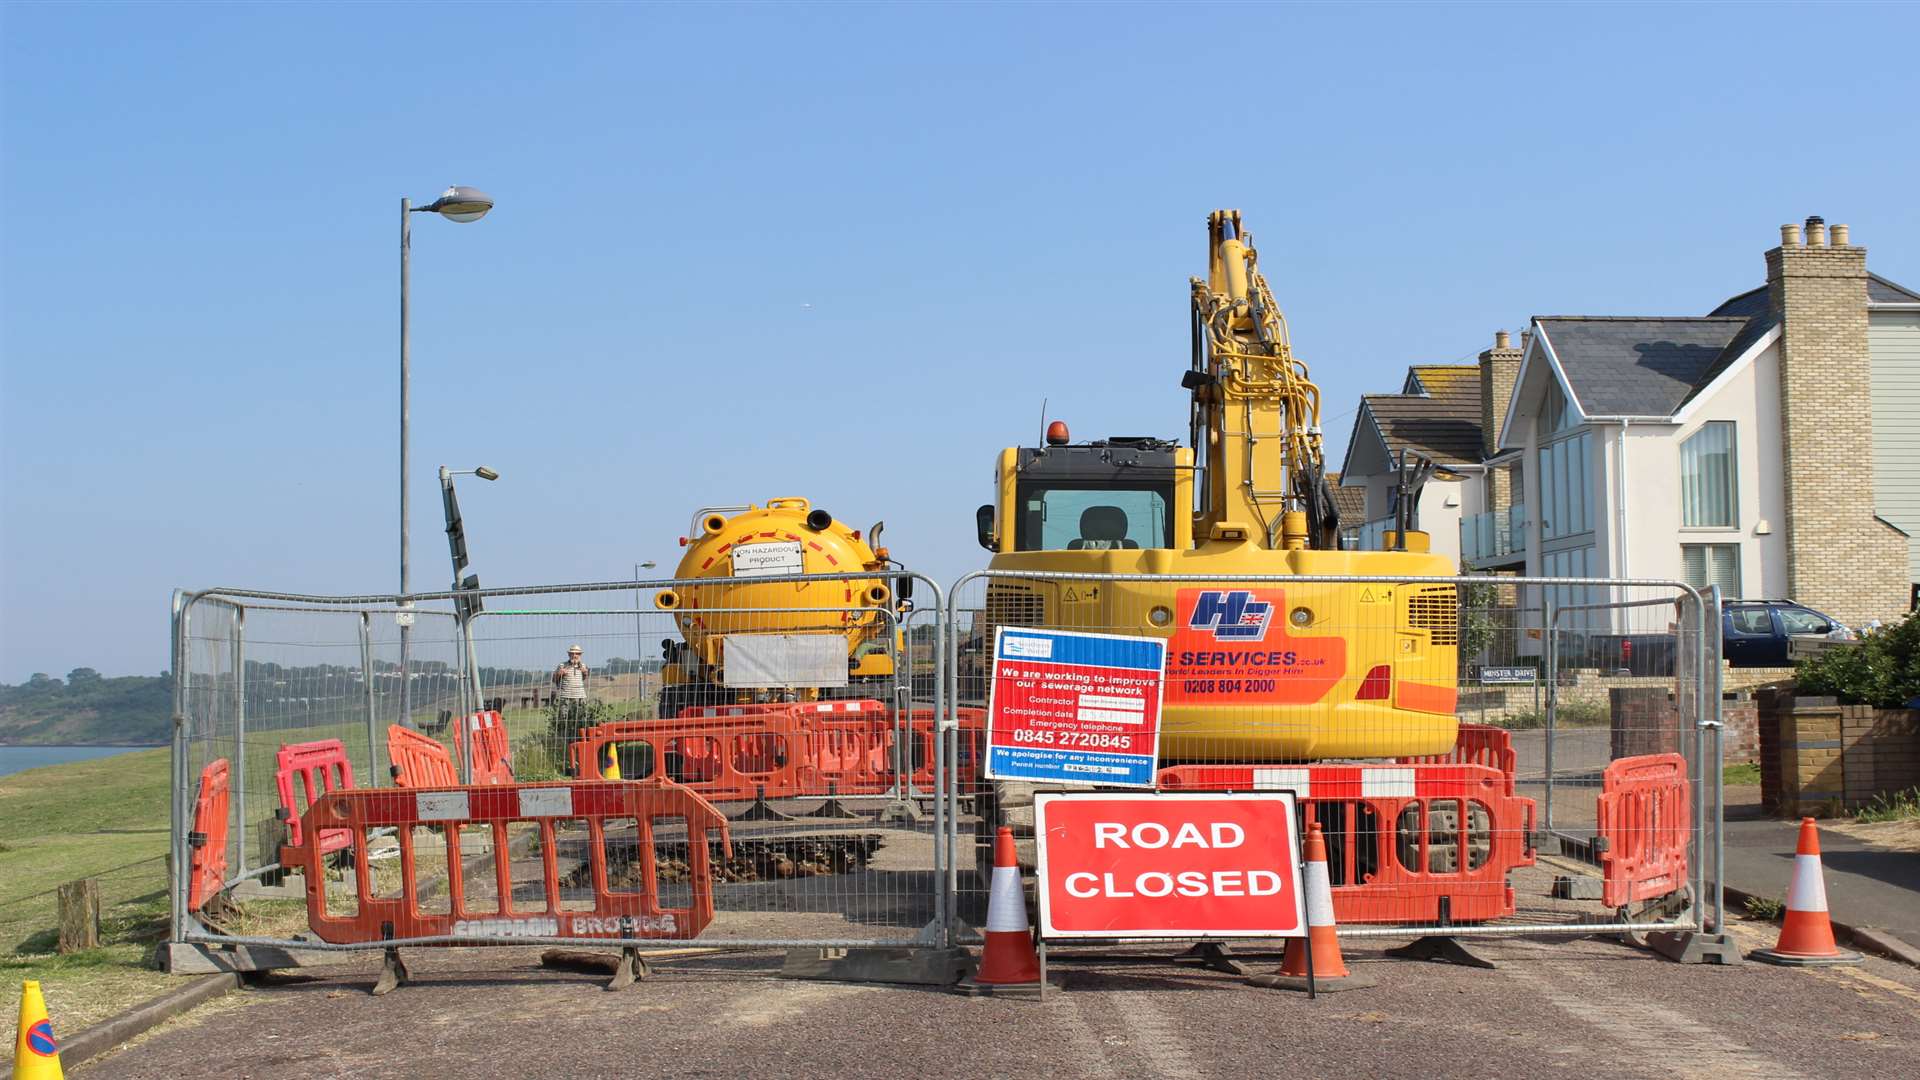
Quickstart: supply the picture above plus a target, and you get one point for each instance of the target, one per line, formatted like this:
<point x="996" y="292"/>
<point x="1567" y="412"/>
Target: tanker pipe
<point x="666" y="600"/>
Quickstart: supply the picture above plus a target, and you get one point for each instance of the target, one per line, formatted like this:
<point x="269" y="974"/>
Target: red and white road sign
<point x="1210" y="865"/>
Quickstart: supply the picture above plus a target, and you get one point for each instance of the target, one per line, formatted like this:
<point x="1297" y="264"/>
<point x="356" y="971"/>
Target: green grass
<point x="1740" y="774"/>
<point x="1572" y="714"/>
<point x="1891" y="806"/>
<point x="1765" y="908"/>
<point x="106" y="819"/>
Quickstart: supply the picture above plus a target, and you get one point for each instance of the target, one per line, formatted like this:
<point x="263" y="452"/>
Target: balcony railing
<point x="1493" y="538"/>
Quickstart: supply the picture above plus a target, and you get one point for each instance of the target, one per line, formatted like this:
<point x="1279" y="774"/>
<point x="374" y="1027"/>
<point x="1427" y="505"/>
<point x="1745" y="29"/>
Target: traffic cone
<point x="36" y="1056"/>
<point x="1806" y="936"/>
<point x="1008" y="962"/>
<point x="1329" y="970"/>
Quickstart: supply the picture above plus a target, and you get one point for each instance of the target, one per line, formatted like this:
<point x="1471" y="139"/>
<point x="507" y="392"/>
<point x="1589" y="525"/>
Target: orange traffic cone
<point x="1806" y="937"/>
<point x="36" y="1055"/>
<point x="1008" y="962"/>
<point x="1329" y="970"/>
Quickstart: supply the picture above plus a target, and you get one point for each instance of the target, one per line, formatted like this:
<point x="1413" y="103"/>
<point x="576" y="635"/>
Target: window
<point x="1802" y="621"/>
<point x="1061" y="518"/>
<point x="1712" y="564"/>
<point x="1566" y="490"/>
<point x="1752" y="620"/>
<point x="1708" y="497"/>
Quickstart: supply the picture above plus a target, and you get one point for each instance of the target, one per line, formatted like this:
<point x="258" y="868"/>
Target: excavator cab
<point x="1128" y="493"/>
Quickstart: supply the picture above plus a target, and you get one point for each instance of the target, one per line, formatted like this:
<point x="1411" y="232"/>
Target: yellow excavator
<point x="1262" y="673"/>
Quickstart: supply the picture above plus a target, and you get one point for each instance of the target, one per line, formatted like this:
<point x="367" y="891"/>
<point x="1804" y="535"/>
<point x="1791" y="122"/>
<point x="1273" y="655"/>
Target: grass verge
<point x="1740" y="775"/>
<point x="105" y="818"/>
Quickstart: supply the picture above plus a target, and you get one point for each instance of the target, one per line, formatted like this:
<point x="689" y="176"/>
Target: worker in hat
<point x="570" y="696"/>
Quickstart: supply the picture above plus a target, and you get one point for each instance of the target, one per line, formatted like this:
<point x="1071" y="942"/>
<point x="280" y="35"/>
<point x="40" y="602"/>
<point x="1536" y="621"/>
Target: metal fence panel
<point x="829" y="794"/>
<point x="1362" y="693"/>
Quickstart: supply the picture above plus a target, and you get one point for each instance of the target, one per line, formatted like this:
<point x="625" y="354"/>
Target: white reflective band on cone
<point x="1007" y="904"/>
<point x="1808" y="892"/>
<point x="1319" y="895"/>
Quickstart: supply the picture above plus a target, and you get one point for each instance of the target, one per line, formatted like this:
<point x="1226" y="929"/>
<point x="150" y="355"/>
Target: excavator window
<point x="1092" y="518"/>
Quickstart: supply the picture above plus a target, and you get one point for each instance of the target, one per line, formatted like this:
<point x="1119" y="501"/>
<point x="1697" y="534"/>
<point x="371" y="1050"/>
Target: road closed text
<point x="1127" y="865"/>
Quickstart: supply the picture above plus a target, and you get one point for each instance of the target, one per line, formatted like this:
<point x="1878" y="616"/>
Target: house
<point x="1767" y="447"/>
<point x="1437" y="415"/>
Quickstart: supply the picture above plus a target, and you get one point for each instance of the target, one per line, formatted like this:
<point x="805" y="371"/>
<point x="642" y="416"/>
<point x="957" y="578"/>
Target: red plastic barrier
<point x="321" y="767"/>
<point x="1645" y="815"/>
<point x="419" y="760"/>
<point x="1381" y="822"/>
<point x="493" y="757"/>
<point x="792" y="750"/>
<point x="1477" y="744"/>
<point x="207" y="869"/>
<point x="625" y="913"/>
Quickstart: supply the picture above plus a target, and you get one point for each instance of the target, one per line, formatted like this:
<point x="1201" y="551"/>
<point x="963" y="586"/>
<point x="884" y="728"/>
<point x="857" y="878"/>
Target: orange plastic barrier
<point x="321" y="767"/>
<point x="622" y="914"/>
<point x="207" y="868"/>
<point x="1645" y="815"/>
<point x="792" y="750"/>
<point x="493" y="758"/>
<point x="419" y="760"/>
<point x="1477" y="744"/>
<point x="1381" y="823"/>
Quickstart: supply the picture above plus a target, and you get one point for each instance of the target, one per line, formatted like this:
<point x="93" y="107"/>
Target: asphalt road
<point x="1591" y="1007"/>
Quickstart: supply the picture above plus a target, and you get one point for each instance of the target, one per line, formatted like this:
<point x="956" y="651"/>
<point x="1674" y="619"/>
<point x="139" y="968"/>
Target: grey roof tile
<point x="1631" y="366"/>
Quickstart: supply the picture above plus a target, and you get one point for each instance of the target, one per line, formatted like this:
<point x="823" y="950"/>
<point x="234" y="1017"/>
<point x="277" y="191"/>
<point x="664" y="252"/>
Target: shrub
<point x="1883" y="670"/>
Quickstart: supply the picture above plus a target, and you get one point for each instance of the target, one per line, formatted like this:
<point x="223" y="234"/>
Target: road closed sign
<point x="1068" y="706"/>
<point x="1126" y="865"/>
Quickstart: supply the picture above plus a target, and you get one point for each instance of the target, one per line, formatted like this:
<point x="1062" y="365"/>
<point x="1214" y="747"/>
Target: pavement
<point x="1552" y="1006"/>
<point x="1868" y="885"/>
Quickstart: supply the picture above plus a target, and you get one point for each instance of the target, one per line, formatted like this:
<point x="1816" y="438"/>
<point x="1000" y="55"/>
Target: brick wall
<point x="1646" y="720"/>
<point x="1499" y="366"/>
<point x="1818" y="756"/>
<point x="1841" y="559"/>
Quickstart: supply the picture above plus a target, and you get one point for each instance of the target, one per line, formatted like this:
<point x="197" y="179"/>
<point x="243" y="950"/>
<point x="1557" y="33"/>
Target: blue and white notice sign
<point x="1075" y="707"/>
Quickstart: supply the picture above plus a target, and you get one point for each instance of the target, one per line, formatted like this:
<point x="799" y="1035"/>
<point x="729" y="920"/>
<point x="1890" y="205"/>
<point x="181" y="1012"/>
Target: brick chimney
<point x="1841" y="559"/>
<point x="1499" y="367"/>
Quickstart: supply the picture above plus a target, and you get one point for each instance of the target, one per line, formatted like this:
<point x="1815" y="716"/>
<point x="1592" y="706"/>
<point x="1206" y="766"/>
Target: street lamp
<point x="640" y="634"/>
<point x="464" y="607"/>
<point x="461" y="204"/>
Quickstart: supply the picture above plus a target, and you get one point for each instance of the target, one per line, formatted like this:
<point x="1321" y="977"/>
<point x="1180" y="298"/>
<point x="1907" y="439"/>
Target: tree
<point x="81" y="675"/>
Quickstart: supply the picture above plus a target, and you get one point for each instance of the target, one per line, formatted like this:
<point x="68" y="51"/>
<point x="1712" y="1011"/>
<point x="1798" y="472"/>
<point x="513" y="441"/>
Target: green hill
<point x="87" y="709"/>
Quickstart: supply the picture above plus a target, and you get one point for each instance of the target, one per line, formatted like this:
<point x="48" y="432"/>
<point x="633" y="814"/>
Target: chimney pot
<point x="1502" y="341"/>
<point x="1840" y="238"/>
<point x="1789" y="236"/>
<point x="1816" y="231"/>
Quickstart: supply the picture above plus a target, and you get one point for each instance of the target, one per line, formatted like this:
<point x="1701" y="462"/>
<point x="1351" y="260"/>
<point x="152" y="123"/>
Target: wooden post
<point x="79" y="915"/>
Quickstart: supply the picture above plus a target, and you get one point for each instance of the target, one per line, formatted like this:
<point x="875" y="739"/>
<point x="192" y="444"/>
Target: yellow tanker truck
<point x="749" y="632"/>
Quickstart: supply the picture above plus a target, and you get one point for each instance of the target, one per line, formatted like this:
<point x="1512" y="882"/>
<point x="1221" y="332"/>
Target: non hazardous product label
<point x="769" y="560"/>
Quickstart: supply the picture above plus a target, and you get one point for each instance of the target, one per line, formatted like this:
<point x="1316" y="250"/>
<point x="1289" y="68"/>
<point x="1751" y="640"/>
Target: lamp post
<point x="640" y="635"/>
<point x="471" y="692"/>
<point x="461" y="204"/>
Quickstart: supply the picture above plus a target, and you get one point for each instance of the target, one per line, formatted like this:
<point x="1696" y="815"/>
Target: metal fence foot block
<point x="1213" y="956"/>
<point x="193" y="958"/>
<point x="1439" y="950"/>
<point x="900" y="812"/>
<point x="631" y="969"/>
<point x="915" y="966"/>
<point x="1694" y="947"/>
<point x="393" y="974"/>
<point x="1320" y="986"/>
<point x="1576" y="887"/>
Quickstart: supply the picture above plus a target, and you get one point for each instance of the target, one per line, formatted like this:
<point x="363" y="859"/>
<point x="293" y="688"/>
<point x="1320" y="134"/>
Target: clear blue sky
<point x="841" y="252"/>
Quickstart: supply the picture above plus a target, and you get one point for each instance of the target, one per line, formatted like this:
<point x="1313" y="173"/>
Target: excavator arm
<point x="1255" y="412"/>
